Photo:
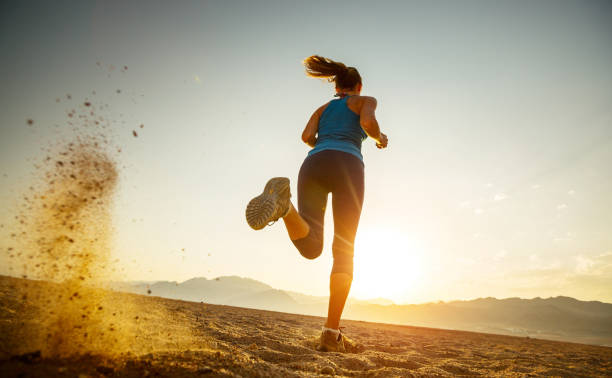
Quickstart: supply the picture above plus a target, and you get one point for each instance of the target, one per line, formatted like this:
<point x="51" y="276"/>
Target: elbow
<point x="308" y="138"/>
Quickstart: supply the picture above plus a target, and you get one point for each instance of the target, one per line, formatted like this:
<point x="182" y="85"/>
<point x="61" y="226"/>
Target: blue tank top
<point x="339" y="129"/>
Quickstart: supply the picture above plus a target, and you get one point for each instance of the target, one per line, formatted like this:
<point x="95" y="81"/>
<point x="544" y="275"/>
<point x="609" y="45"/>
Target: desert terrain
<point x="559" y="318"/>
<point x="151" y="336"/>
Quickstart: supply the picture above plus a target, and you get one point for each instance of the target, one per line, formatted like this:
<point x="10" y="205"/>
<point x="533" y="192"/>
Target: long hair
<point x="325" y="68"/>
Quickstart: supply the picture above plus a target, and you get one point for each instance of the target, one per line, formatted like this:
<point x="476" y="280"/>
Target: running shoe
<point x="269" y="206"/>
<point x="331" y="342"/>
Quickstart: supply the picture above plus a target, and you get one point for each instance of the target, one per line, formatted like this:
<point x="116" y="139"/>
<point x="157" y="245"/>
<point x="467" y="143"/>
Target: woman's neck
<point x="343" y="94"/>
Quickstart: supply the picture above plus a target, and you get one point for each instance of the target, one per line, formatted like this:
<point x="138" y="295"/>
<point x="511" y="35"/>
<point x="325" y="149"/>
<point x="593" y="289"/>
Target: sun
<point x="388" y="264"/>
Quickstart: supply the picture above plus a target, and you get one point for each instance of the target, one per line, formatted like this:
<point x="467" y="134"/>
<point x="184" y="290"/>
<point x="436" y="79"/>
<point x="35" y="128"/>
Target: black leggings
<point x="341" y="174"/>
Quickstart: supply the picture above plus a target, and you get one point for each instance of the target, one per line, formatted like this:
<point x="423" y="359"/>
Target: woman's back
<point x="339" y="129"/>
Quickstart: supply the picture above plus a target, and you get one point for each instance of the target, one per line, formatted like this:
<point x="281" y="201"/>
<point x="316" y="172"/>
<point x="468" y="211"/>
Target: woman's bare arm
<point x="309" y="135"/>
<point x="367" y="119"/>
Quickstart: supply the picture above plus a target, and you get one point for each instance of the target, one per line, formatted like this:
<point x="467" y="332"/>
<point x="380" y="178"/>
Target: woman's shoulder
<point x="322" y="108"/>
<point x="364" y="99"/>
<point x="358" y="99"/>
<point x="356" y="103"/>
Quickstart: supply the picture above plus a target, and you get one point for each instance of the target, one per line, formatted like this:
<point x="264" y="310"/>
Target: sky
<point x="497" y="180"/>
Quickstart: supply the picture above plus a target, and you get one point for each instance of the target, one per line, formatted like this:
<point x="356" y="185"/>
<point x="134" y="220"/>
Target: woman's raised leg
<point x="305" y="228"/>
<point x="297" y="227"/>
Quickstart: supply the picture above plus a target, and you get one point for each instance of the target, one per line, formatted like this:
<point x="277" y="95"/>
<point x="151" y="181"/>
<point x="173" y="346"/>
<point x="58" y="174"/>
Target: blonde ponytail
<point x="325" y="68"/>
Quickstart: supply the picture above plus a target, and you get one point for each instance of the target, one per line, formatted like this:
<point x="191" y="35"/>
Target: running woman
<point x="334" y="165"/>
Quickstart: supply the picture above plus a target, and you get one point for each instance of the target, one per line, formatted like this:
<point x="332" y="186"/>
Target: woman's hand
<point x="382" y="141"/>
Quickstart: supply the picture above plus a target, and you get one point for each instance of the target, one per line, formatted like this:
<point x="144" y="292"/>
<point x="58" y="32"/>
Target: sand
<point x="63" y="233"/>
<point x="178" y="338"/>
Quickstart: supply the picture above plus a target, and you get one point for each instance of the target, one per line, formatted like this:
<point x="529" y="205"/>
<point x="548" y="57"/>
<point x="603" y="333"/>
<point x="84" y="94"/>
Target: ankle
<point x="332" y="330"/>
<point x="291" y="211"/>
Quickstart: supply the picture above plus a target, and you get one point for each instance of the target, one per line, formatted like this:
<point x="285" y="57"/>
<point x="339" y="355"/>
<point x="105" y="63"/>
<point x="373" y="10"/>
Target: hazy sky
<point x="498" y="176"/>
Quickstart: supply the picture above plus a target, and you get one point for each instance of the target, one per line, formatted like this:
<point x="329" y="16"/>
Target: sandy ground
<point x="176" y="338"/>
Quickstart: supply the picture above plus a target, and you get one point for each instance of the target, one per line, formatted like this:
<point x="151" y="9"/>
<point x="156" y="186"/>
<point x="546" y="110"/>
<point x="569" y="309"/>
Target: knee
<point x="310" y="246"/>
<point x="343" y="263"/>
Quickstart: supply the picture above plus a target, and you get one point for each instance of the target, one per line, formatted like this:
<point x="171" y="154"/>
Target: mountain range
<point x="555" y="318"/>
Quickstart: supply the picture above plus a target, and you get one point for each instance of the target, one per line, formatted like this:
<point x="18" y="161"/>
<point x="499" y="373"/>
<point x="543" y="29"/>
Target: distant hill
<point x="220" y="290"/>
<point x="311" y="299"/>
<point x="273" y="299"/>
<point x="559" y="318"/>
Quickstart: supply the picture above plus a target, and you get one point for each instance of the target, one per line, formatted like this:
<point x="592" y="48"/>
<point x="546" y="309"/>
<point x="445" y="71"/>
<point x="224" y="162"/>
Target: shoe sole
<point x="260" y="210"/>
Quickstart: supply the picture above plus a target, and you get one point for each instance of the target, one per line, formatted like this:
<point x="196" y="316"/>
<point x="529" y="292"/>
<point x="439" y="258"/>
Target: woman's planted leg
<point x="347" y="201"/>
<point x="339" y="288"/>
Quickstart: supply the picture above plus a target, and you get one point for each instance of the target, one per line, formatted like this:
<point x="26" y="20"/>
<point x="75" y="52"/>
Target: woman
<point x="334" y="165"/>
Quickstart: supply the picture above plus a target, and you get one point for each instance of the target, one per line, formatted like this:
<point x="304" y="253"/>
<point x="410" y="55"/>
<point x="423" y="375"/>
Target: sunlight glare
<point x="388" y="264"/>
